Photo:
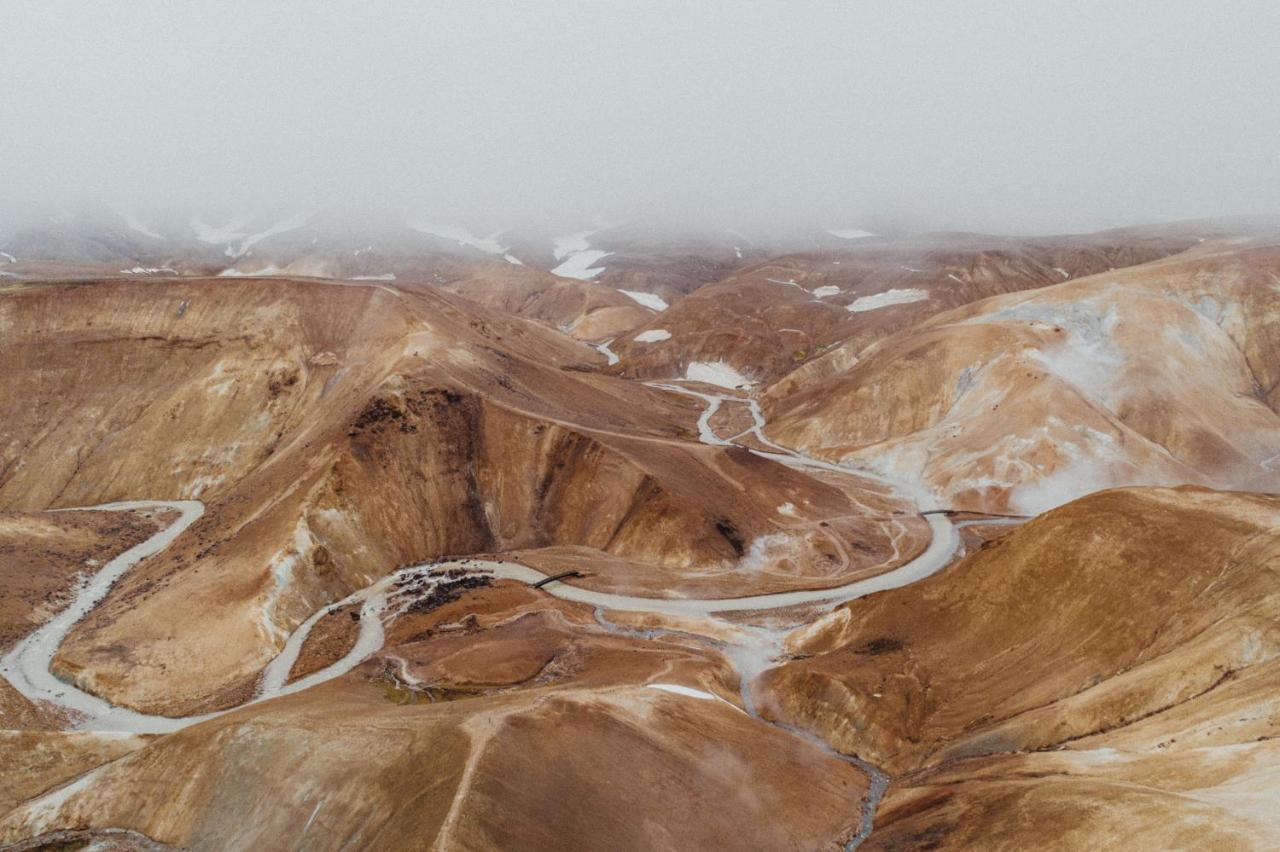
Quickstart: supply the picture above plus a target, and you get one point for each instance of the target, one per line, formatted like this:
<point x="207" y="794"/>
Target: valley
<point x="809" y="542"/>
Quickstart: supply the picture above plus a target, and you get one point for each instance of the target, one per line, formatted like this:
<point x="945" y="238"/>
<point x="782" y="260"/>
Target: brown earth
<point x="1135" y="627"/>
<point x="1102" y="675"/>
<point x="18" y="713"/>
<point x="32" y="762"/>
<point x="335" y="432"/>
<point x="585" y="310"/>
<point x="1162" y="373"/>
<point x="766" y="321"/>
<point x="41" y="555"/>
<point x="508" y="750"/>
<point x="329" y="641"/>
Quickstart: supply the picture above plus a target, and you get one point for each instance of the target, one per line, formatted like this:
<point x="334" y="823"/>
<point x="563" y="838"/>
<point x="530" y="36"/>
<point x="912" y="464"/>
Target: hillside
<point x="1105" y="670"/>
<point x="817" y="537"/>
<point x="1161" y="373"/>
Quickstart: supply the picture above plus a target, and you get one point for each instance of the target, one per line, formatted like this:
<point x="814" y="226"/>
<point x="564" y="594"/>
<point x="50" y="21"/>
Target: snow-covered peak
<point x="235" y="236"/>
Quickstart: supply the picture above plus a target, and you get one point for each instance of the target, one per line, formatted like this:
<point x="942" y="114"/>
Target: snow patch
<point x="512" y="259"/>
<point x="788" y="509"/>
<point x="888" y="297"/>
<point x="578" y="265"/>
<point x="8" y="257"/>
<point x="824" y="292"/>
<point x="653" y="335"/>
<point x="386" y="276"/>
<point x="461" y="236"/>
<point x="850" y="233"/>
<point x="687" y="691"/>
<point x="603" y="349"/>
<point x="649" y="300"/>
<point x="716" y="373"/>
<point x="149" y="270"/>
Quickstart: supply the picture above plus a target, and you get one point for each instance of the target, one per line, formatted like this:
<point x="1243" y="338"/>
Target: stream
<point x="753" y="651"/>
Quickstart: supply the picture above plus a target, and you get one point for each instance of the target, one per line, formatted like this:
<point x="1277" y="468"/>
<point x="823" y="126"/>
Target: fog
<point x="1007" y="116"/>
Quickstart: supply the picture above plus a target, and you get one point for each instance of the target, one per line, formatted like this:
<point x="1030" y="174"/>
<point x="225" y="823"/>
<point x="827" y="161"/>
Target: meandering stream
<point x="27" y="665"/>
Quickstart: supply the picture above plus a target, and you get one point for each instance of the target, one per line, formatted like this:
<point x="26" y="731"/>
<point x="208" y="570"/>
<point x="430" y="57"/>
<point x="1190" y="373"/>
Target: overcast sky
<point x="1015" y="116"/>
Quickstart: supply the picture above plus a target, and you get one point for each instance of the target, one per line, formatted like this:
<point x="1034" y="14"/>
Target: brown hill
<point x="772" y="317"/>
<point x="585" y="310"/>
<point x="1161" y="373"/>
<point x="1134" y="628"/>
<point x="1104" y="673"/>
<point x="520" y="725"/>
<point x="338" y="431"/>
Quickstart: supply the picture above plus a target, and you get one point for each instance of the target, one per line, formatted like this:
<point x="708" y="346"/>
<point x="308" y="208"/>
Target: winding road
<point x="27" y="665"/>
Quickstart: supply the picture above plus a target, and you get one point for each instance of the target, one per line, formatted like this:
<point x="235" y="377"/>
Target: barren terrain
<point x="434" y="538"/>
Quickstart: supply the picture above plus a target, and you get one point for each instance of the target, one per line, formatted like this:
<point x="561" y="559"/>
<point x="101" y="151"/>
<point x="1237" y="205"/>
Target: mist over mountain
<point x="995" y="115"/>
<point x="639" y="426"/>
